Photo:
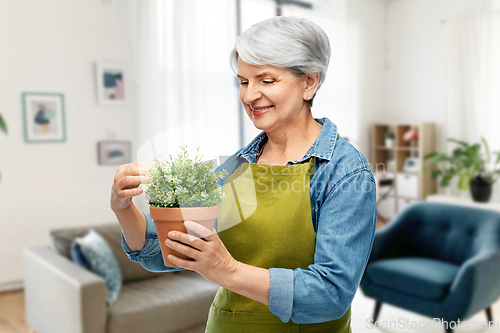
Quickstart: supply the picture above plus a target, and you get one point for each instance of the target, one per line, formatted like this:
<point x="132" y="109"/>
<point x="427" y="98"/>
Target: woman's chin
<point x="260" y="124"/>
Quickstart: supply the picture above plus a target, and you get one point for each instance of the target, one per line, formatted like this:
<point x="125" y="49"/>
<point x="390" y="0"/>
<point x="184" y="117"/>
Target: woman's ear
<point x="311" y="85"/>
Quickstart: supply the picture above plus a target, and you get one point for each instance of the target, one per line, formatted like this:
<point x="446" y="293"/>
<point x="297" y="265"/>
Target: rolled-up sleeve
<point x="346" y="229"/>
<point x="150" y="256"/>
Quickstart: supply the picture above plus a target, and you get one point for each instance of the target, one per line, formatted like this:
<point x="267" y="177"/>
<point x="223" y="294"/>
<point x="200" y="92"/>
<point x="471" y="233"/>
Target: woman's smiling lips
<point x="257" y="111"/>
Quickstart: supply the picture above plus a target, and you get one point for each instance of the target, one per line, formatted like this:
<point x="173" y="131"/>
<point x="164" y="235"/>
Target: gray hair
<point x="292" y="43"/>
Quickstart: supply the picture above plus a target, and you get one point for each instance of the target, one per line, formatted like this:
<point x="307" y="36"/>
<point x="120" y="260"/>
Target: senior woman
<point x="296" y="227"/>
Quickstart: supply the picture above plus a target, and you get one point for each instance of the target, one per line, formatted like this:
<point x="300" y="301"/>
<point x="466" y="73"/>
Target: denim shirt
<point x="344" y="215"/>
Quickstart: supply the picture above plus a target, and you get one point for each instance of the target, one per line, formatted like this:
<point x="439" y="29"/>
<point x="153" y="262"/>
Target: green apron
<point x="265" y="221"/>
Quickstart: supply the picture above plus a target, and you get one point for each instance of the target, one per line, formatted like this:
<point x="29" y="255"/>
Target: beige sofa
<point x="62" y="297"/>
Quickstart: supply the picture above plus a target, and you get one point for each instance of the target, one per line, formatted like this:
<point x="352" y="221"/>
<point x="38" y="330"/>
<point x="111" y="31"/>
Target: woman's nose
<point x="252" y="94"/>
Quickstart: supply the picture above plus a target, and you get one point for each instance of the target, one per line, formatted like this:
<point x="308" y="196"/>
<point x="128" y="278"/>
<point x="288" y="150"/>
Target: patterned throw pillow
<point x="99" y="256"/>
<point x="78" y="257"/>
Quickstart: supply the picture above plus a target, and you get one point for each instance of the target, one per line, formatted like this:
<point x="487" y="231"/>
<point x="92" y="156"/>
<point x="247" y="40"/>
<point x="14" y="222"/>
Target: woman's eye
<point x="269" y="82"/>
<point x="243" y="83"/>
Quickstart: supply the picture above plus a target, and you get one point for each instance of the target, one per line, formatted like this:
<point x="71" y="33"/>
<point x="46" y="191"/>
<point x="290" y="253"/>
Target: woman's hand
<point x="210" y="257"/>
<point x="212" y="260"/>
<point x="128" y="177"/>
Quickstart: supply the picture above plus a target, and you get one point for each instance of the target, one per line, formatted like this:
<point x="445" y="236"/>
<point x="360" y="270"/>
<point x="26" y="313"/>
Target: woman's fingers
<point x="197" y="237"/>
<point x="144" y="168"/>
<point x="134" y="169"/>
<point x="209" y="256"/>
<point x="132" y="181"/>
<point x="125" y="194"/>
<point x="128" y="186"/>
<point x="174" y="237"/>
<point x="188" y="264"/>
<point x="182" y="248"/>
<point x="196" y="230"/>
<point x="194" y="242"/>
<point x="128" y="178"/>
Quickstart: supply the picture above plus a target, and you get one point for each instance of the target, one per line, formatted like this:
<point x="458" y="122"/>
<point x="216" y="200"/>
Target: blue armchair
<point x="438" y="260"/>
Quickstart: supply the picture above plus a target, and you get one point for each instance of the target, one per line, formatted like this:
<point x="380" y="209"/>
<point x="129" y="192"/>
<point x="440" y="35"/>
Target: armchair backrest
<point x="450" y="233"/>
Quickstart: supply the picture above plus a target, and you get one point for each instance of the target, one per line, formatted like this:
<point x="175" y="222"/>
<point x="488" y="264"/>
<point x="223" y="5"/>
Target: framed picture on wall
<point x="111" y="83"/>
<point x="43" y="115"/>
<point x="113" y="152"/>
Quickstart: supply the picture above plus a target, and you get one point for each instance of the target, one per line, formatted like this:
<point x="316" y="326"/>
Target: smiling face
<point x="273" y="98"/>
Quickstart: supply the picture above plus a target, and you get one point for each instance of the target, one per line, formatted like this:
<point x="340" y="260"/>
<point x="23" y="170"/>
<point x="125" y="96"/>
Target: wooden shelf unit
<point x="388" y="162"/>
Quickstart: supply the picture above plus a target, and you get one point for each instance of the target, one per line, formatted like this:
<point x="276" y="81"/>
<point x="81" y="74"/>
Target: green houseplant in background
<point x="3" y="128"/>
<point x="474" y="169"/>
<point x="182" y="189"/>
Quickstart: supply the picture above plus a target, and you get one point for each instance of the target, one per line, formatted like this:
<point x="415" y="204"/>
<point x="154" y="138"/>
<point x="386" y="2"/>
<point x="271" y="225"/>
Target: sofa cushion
<point x="168" y="303"/>
<point x="421" y="277"/>
<point x="102" y="262"/>
<point x="78" y="256"/>
<point x="131" y="271"/>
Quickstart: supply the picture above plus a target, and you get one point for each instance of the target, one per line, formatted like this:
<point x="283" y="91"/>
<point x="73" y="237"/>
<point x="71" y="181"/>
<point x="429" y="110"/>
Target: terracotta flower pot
<point x="167" y="219"/>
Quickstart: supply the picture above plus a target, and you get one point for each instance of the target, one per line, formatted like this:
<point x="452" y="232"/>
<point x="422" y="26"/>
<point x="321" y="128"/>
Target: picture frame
<point x="44" y="118"/>
<point x="114" y="152"/>
<point x="111" y="83"/>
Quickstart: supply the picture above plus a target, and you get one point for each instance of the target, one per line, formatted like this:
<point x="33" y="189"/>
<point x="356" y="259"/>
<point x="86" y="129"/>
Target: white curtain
<point x="339" y="98"/>
<point x="186" y="91"/>
<point x="254" y="11"/>
<point x="473" y="82"/>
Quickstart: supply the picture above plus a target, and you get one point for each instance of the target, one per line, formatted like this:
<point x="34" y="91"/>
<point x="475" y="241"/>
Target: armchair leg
<point x="378" y="305"/>
<point x="488" y="314"/>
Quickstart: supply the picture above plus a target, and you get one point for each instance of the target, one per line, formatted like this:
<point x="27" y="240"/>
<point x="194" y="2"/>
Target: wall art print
<point x="111" y="83"/>
<point x="113" y="152"/>
<point x="43" y="115"/>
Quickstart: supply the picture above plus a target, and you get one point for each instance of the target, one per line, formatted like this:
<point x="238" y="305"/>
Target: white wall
<point x="416" y="59"/>
<point x="416" y="31"/>
<point x="51" y="46"/>
<point x="373" y="14"/>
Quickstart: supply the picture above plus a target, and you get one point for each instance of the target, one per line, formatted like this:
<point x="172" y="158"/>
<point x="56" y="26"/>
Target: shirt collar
<point x="321" y="148"/>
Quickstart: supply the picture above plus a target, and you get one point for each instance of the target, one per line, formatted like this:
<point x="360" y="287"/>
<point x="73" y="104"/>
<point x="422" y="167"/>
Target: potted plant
<point x="389" y="139"/>
<point x="474" y="170"/>
<point x="3" y="128"/>
<point x="182" y="189"/>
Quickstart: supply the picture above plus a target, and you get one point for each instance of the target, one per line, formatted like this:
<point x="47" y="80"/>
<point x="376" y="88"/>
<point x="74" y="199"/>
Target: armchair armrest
<point x="477" y="282"/>
<point x="62" y="297"/>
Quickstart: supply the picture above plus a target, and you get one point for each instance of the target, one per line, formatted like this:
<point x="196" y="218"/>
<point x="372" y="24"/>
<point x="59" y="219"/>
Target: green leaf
<point x="464" y="182"/>
<point x="436" y="173"/>
<point x="466" y="161"/>
<point x="431" y="155"/>
<point x="462" y="143"/>
<point x="487" y="148"/>
<point x="446" y="180"/>
<point x="436" y="158"/>
<point x="498" y="158"/>
<point x="3" y="125"/>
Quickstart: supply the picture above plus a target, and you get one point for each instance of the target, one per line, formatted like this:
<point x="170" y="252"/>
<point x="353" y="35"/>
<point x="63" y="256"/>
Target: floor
<point x="394" y="319"/>
<point x="12" y="313"/>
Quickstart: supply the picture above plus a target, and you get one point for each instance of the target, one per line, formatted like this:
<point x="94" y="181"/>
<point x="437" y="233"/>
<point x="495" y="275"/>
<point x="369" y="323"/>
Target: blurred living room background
<point x="85" y="84"/>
